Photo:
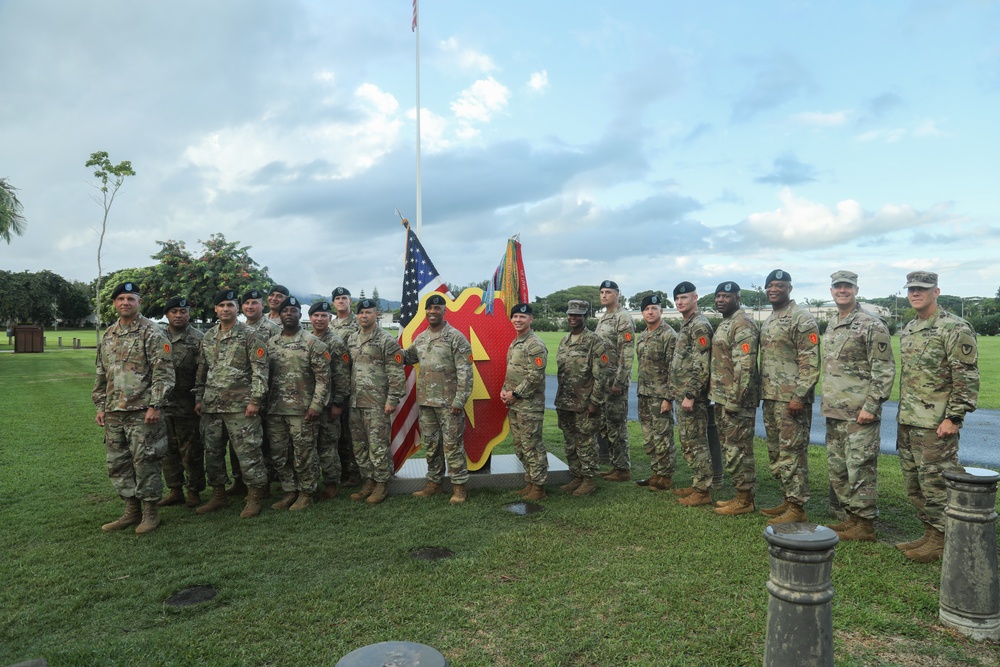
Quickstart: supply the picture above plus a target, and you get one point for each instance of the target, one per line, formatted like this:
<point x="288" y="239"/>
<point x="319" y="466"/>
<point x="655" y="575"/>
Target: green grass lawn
<point x="989" y="366"/>
<point x="621" y="577"/>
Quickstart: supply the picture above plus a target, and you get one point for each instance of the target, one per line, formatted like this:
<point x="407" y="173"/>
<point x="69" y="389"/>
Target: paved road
<point x="978" y="447"/>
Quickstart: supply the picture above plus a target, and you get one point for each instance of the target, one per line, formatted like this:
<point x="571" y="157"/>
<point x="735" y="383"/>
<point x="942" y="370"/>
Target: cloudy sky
<point x="647" y="142"/>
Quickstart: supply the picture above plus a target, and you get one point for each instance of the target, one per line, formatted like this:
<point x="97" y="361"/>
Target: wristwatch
<point x="954" y="419"/>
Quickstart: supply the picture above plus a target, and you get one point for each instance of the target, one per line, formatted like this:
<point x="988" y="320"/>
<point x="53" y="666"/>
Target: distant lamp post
<point x="970" y="299"/>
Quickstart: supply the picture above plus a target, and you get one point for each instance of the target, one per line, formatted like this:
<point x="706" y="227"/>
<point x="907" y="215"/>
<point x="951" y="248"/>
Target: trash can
<point x="29" y="338"/>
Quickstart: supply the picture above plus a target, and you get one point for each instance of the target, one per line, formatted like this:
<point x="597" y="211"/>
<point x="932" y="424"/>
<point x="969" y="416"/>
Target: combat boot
<point x="131" y="517"/>
<point x="572" y="485"/>
<point x="726" y="503"/>
<point x="150" y="518"/>
<point x="741" y="504"/>
<point x="929" y="551"/>
<point x="777" y="510"/>
<point x="239" y="488"/>
<point x="861" y="530"/>
<point x="253" y="507"/>
<point x="699" y="497"/>
<point x="192" y="499"/>
<point x="303" y="501"/>
<point x="353" y="480"/>
<point x="175" y="497"/>
<point x="366" y="490"/>
<point x="537" y="493"/>
<point x="286" y="501"/>
<point x="845" y="524"/>
<point x="525" y="491"/>
<point x="379" y="493"/>
<point x="329" y="492"/>
<point x="586" y="488"/>
<point x="919" y="542"/>
<point x="686" y="491"/>
<point x="793" y="514"/>
<point x="458" y="494"/>
<point x="430" y="489"/>
<point x="660" y="483"/>
<point x="618" y="476"/>
<point x="216" y="502"/>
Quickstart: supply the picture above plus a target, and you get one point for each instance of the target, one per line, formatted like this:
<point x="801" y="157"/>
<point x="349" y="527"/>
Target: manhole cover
<point x="431" y="553"/>
<point x="522" y="509"/>
<point x="191" y="595"/>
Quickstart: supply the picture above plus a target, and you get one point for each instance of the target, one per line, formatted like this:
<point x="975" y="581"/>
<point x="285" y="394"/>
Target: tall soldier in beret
<point x="524" y="395"/>
<point x="343" y="323"/>
<point x="689" y="373"/>
<point x="444" y="385"/>
<point x="253" y="310"/>
<point x="938" y="386"/>
<point x="134" y="378"/>
<point x="735" y="390"/>
<point x="654" y="350"/>
<point x="377" y="386"/>
<point x="618" y="331"/>
<point x="185" y="453"/>
<point x="275" y="298"/>
<point x="298" y="392"/>
<point x="229" y="394"/>
<point x="583" y="370"/>
<point x="858" y="371"/>
<point x="789" y="369"/>
<point x="320" y="314"/>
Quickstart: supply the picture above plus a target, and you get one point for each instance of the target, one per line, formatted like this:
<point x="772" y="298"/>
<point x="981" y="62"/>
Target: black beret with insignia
<point x="365" y="303"/>
<point x="651" y="300"/>
<point x="522" y="308"/>
<point x="290" y="301"/>
<point x="729" y="287"/>
<point x="125" y="288"/>
<point x="609" y="284"/>
<point x="177" y="302"/>
<point x="280" y="289"/>
<point x="684" y="288"/>
<point x="320" y="307"/>
<point x="341" y="291"/>
<point x="225" y="295"/>
<point x="253" y="294"/>
<point x="778" y="274"/>
<point x="435" y="300"/>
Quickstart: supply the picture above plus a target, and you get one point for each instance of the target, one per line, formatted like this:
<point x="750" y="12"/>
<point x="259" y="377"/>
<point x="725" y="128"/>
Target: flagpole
<point x="416" y="29"/>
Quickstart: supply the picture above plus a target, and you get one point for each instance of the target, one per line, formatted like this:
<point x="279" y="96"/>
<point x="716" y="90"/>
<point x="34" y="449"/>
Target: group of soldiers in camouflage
<point x="730" y="371"/>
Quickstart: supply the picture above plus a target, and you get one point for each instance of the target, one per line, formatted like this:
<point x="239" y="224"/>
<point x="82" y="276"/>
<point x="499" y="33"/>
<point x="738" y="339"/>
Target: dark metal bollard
<point x="715" y="449"/>
<point x="799" y="611"/>
<point x="970" y="588"/>
<point x="394" y="654"/>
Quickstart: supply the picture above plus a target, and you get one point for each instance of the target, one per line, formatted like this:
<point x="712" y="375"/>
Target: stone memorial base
<point x="505" y="472"/>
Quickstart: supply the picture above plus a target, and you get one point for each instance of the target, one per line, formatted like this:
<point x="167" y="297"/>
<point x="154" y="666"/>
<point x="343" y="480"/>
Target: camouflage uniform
<point x="344" y="327"/>
<point x="583" y="370"/>
<point x="330" y="426"/>
<point x="525" y="377"/>
<point x="789" y="369"/>
<point x="444" y="381"/>
<point x="939" y="378"/>
<point x="377" y="380"/>
<point x="618" y="331"/>
<point x="265" y="327"/>
<point x="349" y="465"/>
<point x="134" y="373"/>
<point x="858" y="371"/>
<point x="232" y="374"/>
<point x="185" y="453"/>
<point x="654" y="351"/>
<point x="689" y="373"/>
<point x="299" y="381"/>
<point x="735" y="390"/>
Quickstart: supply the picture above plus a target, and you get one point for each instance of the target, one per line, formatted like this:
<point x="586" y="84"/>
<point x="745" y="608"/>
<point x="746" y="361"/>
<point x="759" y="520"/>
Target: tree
<point x="376" y="298"/>
<point x="11" y="220"/>
<point x="111" y="177"/>
<point x="73" y="303"/>
<point x="105" y="308"/>
<point x="756" y="300"/>
<point x="554" y="304"/>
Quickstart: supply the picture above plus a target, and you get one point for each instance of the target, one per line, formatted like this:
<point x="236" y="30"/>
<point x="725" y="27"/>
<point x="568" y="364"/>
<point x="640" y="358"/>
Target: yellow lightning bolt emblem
<point x="479" y="391"/>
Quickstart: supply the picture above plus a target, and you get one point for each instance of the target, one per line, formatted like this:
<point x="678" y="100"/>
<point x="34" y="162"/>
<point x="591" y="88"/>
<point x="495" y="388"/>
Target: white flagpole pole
<point x="419" y="197"/>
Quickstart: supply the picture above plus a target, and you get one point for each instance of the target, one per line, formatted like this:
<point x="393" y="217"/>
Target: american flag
<point x="419" y="279"/>
<point x="413" y="26"/>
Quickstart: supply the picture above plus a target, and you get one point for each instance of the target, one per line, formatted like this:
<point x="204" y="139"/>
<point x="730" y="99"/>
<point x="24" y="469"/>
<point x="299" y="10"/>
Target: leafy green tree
<point x="106" y="310"/>
<point x="375" y="298"/>
<point x="30" y="298"/>
<point x="11" y="218"/>
<point x="74" y="303"/>
<point x="554" y="305"/>
<point x="110" y="178"/>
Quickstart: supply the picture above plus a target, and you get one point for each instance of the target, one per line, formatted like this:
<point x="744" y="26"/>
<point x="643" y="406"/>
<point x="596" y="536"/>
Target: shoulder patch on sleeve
<point x="398" y="358"/>
<point x="813" y="338"/>
<point x="260" y="352"/>
<point x="745" y="347"/>
<point x="539" y="362"/>
<point x="166" y="348"/>
<point x="604" y="358"/>
<point x="628" y="336"/>
<point x="470" y="357"/>
<point x="326" y="355"/>
<point x="346" y="357"/>
<point x="966" y="348"/>
<point x="703" y="341"/>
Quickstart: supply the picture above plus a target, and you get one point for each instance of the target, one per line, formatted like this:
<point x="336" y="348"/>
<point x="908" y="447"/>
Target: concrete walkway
<point x="977" y="444"/>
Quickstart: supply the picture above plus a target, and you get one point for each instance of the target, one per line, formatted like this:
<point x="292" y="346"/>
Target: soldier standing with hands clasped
<point x="618" y="331"/>
<point x="654" y="350"/>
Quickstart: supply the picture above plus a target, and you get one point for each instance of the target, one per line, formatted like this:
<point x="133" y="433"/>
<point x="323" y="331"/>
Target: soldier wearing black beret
<point x="617" y="329"/>
<point x="253" y="310"/>
<point x="274" y="299"/>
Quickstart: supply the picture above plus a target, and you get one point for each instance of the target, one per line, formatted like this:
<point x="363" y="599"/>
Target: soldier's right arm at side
<point x="963" y="360"/>
<point x="256" y="349"/>
<point x="744" y="355"/>
<point x="882" y="366"/>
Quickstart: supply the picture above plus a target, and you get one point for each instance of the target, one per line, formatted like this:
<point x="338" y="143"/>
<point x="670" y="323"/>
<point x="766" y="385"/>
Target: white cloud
<point x="929" y="128"/>
<point x="481" y="100"/>
<point x="888" y="136"/>
<point x="820" y="119"/>
<point x="468" y="59"/>
<point x="433" y="130"/>
<point x="539" y="81"/>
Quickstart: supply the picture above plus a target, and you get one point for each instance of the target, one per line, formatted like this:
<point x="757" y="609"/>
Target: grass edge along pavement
<point x="622" y="577"/>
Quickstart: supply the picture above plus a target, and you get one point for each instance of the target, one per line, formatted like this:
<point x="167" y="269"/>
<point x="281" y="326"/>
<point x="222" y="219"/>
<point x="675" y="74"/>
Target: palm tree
<point x="11" y="220"/>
